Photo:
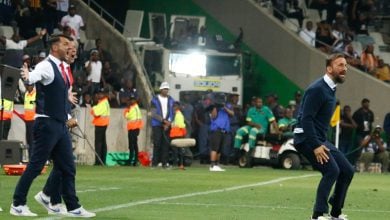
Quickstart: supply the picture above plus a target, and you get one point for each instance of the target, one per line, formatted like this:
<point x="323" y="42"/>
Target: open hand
<point x="25" y="73"/>
<point x="72" y="97"/>
<point x="321" y="154"/>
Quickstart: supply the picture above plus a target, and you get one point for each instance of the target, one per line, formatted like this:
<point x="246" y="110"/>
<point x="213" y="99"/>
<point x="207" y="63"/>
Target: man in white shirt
<point x="307" y="34"/>
<point x="94" y="70"/>
<point x="51" y="137"/>
<point x="74" y="21"/>
<point x="13" y="55"/>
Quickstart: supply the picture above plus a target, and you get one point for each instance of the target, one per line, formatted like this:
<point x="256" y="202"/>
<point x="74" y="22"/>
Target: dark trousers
<point x="203" y="147"/>
<point x="100" y="144"/>
<point x="337" y="170"/>
<point x="53" y="186"/>
<point x="4" y="129"/>
<point x="160" y="146"/>
<point x="133" y="145"/>
<point x="51" y="138"/>
<point x="29" y="136"/>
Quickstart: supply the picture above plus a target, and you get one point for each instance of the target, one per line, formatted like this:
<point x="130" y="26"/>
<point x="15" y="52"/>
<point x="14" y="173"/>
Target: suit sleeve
<point x="313" y="102"/>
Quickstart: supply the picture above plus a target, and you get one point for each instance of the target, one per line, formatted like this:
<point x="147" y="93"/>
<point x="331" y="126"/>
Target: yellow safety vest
<point x="101" y="113"/>
<point x="178" y="127"/>
<point x="134" y="117"/>
<point x="8" y="109"/>
<point x="29" y="105"/>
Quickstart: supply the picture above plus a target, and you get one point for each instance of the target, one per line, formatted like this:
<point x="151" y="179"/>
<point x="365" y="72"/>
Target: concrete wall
<point x="116" y="134"/>
<point x="291" y="56"/>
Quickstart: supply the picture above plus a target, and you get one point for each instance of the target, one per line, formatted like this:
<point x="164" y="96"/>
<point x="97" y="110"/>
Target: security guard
<point x="178" y="130"/>
<point x="101" y="119"/>
<point x="6" y="118"/>
<point x="29" y="114"/>
<point x="134" y="123"/>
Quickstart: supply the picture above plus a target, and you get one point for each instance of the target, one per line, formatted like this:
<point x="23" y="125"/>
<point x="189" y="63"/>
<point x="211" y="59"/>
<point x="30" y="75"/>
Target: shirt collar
<point x="330" y="82"/>
<point x="55" y="59"/>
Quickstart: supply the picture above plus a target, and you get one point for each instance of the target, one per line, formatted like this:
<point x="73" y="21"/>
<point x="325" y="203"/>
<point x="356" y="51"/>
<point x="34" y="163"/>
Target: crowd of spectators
<point x="33" y="22"/>
<point x="345" y="27"/>
<point x="360" y="140"/>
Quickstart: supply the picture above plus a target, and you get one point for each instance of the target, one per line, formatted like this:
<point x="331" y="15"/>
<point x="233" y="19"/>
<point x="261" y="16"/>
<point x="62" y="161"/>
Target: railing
<point x="105" y="14"/>
<point x="120" y="28"/>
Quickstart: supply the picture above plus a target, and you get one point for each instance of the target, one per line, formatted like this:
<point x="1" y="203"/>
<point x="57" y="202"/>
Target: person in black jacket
<point x="318" y="104"/>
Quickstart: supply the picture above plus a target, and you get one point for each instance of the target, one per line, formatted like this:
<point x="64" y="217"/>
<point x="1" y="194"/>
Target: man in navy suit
<point x="51" y="135"/>
<point x="317" y="106"/>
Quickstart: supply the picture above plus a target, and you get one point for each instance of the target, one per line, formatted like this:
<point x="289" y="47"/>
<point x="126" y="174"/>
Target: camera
<point x="219" y="99"/>
<point x="376" y="132"/>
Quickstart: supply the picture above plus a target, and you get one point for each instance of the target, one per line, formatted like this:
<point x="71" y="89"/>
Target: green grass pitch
<point x="257" y="193"/>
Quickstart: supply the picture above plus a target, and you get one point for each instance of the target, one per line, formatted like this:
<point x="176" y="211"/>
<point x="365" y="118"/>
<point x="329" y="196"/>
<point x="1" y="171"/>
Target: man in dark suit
<point x="51" y="135"/>
<point x="316" y="110"/>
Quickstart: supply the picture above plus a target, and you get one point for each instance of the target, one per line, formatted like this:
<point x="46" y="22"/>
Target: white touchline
<point x="161" y="199"/>
<point x="273" y="207"/>
<point x="98" y="189"/>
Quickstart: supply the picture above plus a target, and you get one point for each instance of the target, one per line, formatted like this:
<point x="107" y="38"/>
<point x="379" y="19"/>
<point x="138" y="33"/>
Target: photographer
<point x="374" y="150"/>
<point x="218" y="133"/>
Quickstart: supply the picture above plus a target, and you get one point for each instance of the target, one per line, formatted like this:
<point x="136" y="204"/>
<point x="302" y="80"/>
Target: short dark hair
<point x="56" y="38"/>
<point x="365" y="100"/>
<point x="333" y="57"/>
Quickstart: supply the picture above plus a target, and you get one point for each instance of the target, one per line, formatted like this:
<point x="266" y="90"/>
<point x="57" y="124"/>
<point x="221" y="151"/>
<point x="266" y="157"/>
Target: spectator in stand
<point x="6" y="12"/>
<point x="112" y="98"/>
<point x="62" y="9"/>
<point x="352" y="56"/>
<point x="324" y="37"/>
<point x="80" y="87"/>
<point x="162" y="116"/>
<point x="133" y="117"/>
<point x="288" y="8"/>
<point x="42" y="55"/>
<point x="25" y="22"/>
<point x="307" y="34"/>
<point x="364" y="118"/>
<point x="374" y="150"/>
<point x="87" y="100"/>
<point x="382" y="72"/>
<point x="66" y="30"/>
<point x="50" y="13"/>
<point x="13" y="55"/>
<point x="368" y="59"/>
<point x="272" y="103"/>
<point x="386" y="128"/>
<point x="74" y="21"/>
<point x="125" y="92"/>
<point x="104" y="55"/>
<point x="94" y="71"/>
<point x="109" y="77"/>
<point x="347" y="126"/>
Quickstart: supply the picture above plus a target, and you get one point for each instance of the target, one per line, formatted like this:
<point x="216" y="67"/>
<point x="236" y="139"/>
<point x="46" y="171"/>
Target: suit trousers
<point x="51" y="138"/>
<point x="337" y="170"/>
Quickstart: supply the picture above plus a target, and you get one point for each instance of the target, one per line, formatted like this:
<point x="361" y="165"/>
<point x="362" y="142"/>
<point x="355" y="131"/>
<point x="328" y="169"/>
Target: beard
<point x="340" y="77"/>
